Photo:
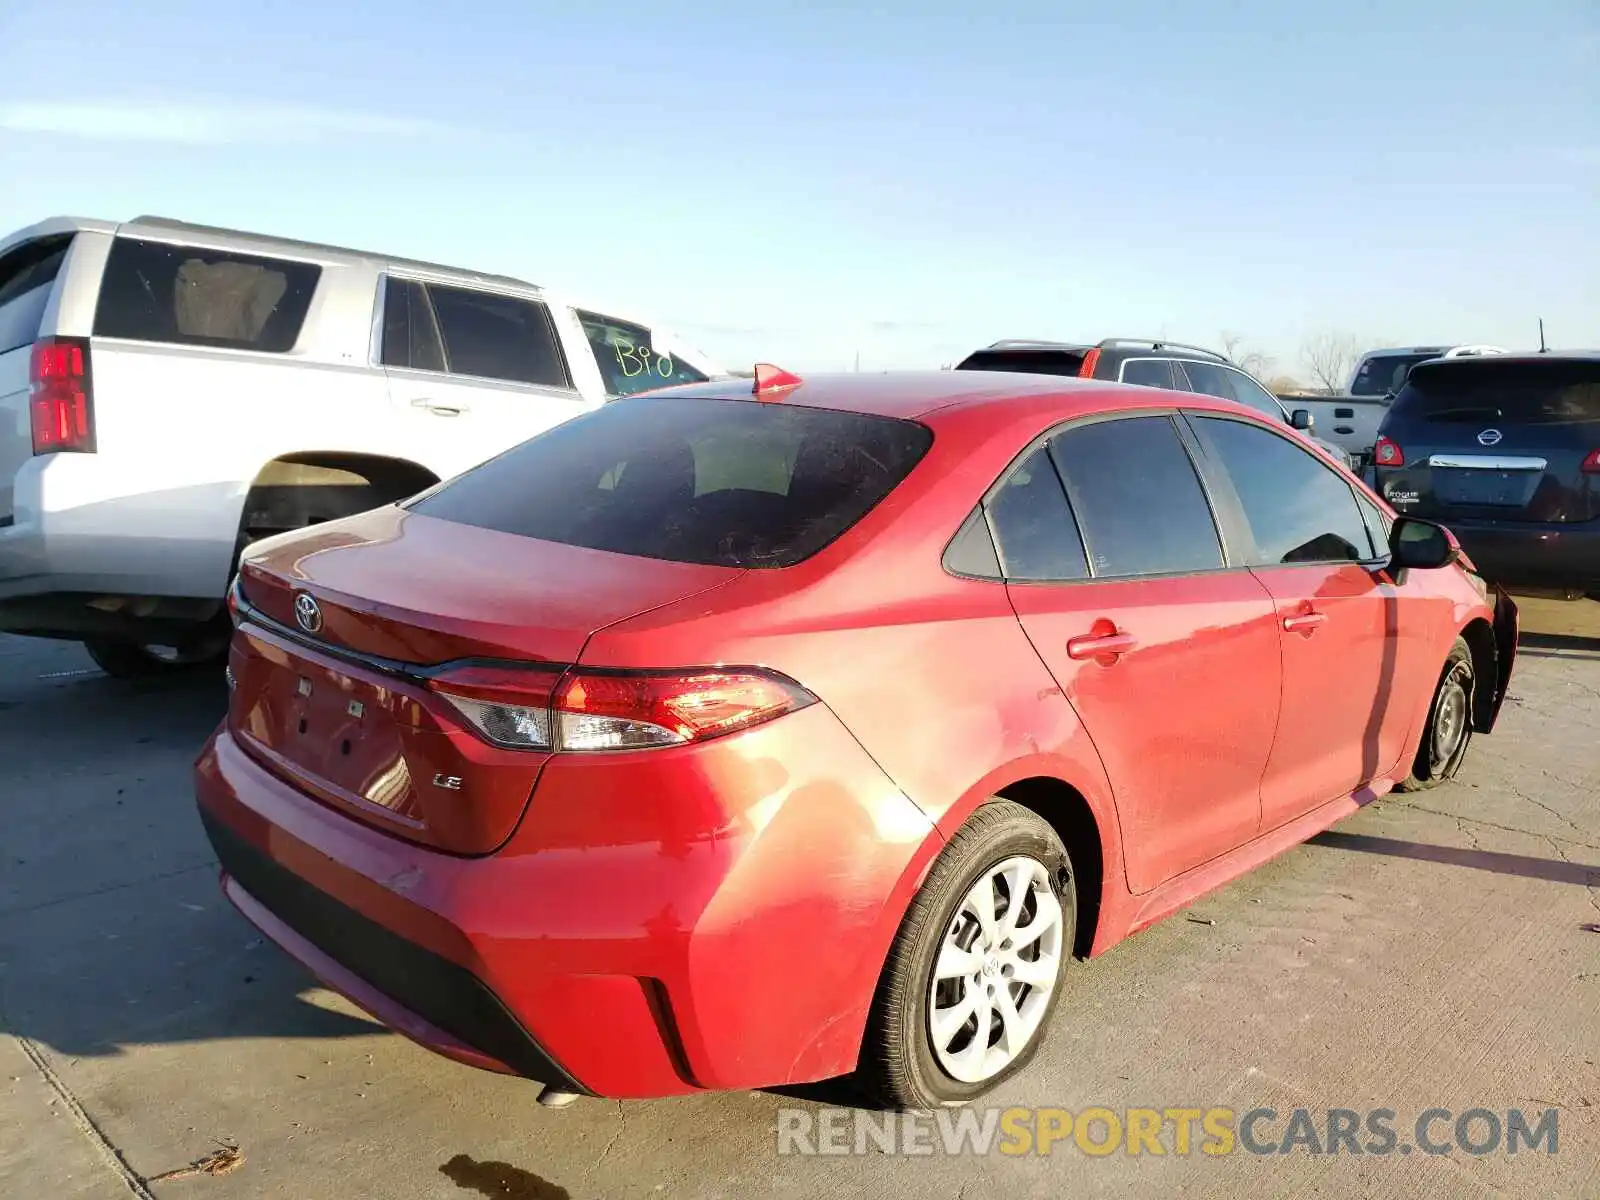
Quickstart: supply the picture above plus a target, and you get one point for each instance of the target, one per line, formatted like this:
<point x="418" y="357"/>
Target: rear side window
<point x="1149" y="372"/>
<point x="498" y="337"/>
<point x="410" y="334"/>
<point x="1033" y="527"/>
<point x="1297" y="509"/>
<point x="26" y="276"/>
<point x="1139" y="502"/>
<point x="156" y="292"/>
<point x="1250" y="393"/>
<point x="628" y="358"/>
<point x="719" y="482"/>
<point x="1208" y="379"/>
<point x="1471" y="390"/>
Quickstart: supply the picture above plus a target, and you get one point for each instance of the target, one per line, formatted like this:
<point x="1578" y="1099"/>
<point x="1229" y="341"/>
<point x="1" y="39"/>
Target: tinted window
<point x="1149" y="372"/>
<point x="1248" y="392"/>
<point x="1027" y="362"/>
<point x="1385" y="374"/>
<point x="1208" y="379"/>
<point x="725" y="482"/>
<point x="1033" y="527"/>
<point x="1549" y="392"/>
<point x="971" y="551"/>
<point x="628" y="359"/>
<point x="1298" y="510"/>
<point x="1139" y="502"/>
<point x="154" y="292"/>
<point x="410" y="334"/>
<point x="497" y="337"/>
<point x="25" y="278"/>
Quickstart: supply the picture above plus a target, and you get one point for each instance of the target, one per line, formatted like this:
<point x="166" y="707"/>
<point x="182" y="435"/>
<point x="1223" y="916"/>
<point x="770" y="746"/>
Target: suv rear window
<point x="719" y="482"/>
<point x="156" y="292"/>
<point x="1545" y="392"/>
<point x="1385" y="374"/>
<point x="26" y="274"/>
<point x="1026" y="362"/>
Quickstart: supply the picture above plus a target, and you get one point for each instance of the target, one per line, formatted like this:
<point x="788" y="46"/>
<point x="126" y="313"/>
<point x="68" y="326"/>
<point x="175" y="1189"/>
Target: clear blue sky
<point x="802" y="181"/>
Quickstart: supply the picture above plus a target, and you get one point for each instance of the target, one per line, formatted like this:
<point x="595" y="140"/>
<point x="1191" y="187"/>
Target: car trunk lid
<point x="342" y="629"/>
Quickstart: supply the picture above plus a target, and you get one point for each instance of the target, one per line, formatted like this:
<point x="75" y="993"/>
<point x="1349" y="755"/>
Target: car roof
<point x="915" y="394"/>
<point x="1481" y="362"/>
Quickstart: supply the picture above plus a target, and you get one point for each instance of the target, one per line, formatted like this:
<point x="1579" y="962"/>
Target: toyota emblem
<point x="308" y="613"/>
<point x="1489" y="437"/>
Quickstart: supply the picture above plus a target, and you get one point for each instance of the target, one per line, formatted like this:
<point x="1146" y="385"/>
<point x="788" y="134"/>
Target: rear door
<point x="1170" y="658"/>
<point x="474" y="372"/>
<point x="27" y="279"/>
<point x="1342" y="623"/>
<point x="1497" y="439"/>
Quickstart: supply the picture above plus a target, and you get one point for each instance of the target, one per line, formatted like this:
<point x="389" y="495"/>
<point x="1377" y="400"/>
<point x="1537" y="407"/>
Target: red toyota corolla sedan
<point x="722" y="739"/>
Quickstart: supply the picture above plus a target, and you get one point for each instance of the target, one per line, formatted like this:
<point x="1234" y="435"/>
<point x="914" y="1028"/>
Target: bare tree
<point x="1330" y="356"/>
<point x="1252" y="361"/>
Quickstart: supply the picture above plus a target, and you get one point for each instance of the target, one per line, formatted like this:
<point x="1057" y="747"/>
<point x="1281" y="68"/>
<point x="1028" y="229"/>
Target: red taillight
<point x="1090" y="361"/>
<point x="592" y="710"/>
<point x="1388" y="453"/>
<point x="1591" y="465"/>
<point x="61" y="401"/>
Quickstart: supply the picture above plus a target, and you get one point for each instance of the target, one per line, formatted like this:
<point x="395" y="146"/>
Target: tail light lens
<point x="1090" y="361"/>
<point x="1387" y="453"/>
<point x="590" y="710"/>
<point x="61" y="400"/>
<point x="1591" y="465"/>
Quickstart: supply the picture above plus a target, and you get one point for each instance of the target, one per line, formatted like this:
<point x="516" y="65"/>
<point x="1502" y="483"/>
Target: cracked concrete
<point x="142" y="1022"/>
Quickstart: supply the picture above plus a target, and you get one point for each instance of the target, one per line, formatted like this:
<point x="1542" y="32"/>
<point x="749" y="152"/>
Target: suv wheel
<point x="974" y="973"/>
<point x="136" y="660"/>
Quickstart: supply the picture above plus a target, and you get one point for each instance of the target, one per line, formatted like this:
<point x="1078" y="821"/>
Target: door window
<point x="628" y="358"/>
<point x="491" y="336"/>
<point x="1139" y="503"/>
<point x="1248" y="392"/>
<point x="1033" y="527"/>
<point x="1297" y="509"/>
<point x="1150" y="372"/>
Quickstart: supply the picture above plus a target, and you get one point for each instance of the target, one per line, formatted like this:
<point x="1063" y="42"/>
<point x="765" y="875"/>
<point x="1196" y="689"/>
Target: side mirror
<point x="1421" y="545"/>
<point x="1302" y="420"/>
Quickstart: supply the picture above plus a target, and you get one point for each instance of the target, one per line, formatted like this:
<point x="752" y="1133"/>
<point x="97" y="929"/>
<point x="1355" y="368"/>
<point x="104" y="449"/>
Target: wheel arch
<point x="1069" y="813"/>
<point x="307" y="487"/>
<point x="1479" y="636"/>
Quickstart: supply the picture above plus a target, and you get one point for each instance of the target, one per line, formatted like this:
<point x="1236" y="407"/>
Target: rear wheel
<point x="975" y="970"/>
<point x="1449" y="728"/>
<point x="140" y="660"/>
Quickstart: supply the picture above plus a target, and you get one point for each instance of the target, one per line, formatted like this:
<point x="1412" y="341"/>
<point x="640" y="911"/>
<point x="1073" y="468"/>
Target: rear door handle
<point x="438" y="409"/>
<point x="1101" y="645"/>
<point x="1305" y="622"/>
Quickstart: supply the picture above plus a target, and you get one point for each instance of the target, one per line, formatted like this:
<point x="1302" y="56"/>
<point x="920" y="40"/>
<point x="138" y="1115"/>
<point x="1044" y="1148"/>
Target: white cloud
<point x="208" y="123"/>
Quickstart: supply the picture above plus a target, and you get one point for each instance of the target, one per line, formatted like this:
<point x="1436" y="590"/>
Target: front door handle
<point x="1305" y="622"/>
<point x="1101" y="645"/>
<point x="438" y="409"/>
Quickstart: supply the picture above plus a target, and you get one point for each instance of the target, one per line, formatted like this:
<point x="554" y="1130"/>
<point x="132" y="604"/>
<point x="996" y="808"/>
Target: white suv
<point x="170" y="393"/>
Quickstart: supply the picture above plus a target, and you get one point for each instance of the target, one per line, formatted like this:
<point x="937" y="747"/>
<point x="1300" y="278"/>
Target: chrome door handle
<point x="438" y="409"/>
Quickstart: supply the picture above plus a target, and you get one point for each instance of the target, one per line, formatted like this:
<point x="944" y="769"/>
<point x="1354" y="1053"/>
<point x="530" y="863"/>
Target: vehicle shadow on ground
<point x="1554" y="870"/>
<point x="113" y="931"/>
<point x="1559" y="645"/>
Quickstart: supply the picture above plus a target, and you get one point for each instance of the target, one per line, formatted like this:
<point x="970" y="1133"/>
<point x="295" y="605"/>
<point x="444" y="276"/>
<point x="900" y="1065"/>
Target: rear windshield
<point x="26" y="276"/>
<point x="1385" y="374"/>
<point x="155" y="292"/>
<point x="1026" y="362"/>
<point x="719" y="482"/>
<point x="1553" y="392"/>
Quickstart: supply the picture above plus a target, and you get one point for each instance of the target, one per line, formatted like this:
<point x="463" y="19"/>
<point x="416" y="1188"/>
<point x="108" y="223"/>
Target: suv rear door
<point x="28" y="273"/>
<point x="1497" y="439"/>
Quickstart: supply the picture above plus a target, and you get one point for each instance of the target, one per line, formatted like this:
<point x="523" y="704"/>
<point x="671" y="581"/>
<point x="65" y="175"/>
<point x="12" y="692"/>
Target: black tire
<point x="898" y="1066"/>
<point x="1448" y="730"/>
<point x="135" y="660"/>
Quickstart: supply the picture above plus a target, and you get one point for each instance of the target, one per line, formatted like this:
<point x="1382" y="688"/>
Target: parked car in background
<point x="1380" y="374"/>
<point x="1162" y="364"/>
<point x="737" y="737"/>
<point x="170" y="393"/>
<point x="1504" y="450"/>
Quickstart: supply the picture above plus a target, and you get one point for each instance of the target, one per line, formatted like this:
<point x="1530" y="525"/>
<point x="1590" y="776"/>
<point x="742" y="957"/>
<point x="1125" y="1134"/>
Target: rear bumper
<point x="1544" y="555"/>
<point x="660" y="923"/>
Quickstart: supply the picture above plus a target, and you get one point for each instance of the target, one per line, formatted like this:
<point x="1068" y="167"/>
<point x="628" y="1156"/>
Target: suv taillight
<point x="540" y="709"/>
<point x="1090" y="361"/>
<point x="1591" y="465"/>
<point x="61" y="396"/>
<point x="1387" y="453"/>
